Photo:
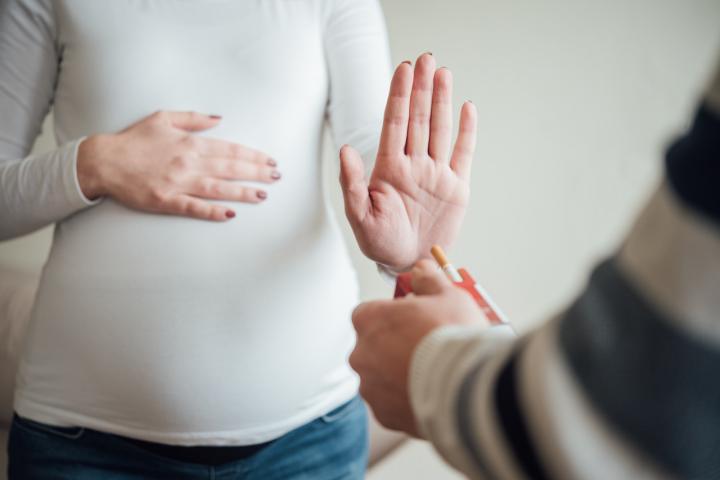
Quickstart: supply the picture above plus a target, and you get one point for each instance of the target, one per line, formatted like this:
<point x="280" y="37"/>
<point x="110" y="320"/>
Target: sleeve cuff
<point x="387" y="273"/>
<point x="73" y="192"/>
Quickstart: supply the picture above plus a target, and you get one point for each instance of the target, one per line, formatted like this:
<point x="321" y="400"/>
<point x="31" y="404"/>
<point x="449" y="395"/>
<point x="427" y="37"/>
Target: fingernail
<point x="428" y="53"/>
<point x="261" y="195"/>
<point x="229" y="214"/>
<point x="275" y="175"/>
<point x="272" y="162"/>
<point x="216" y="117"/>
<point x="407" y="61"/>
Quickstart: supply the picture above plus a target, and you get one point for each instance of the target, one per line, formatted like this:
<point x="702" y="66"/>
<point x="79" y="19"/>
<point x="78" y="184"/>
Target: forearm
<point x="441" y="364"/>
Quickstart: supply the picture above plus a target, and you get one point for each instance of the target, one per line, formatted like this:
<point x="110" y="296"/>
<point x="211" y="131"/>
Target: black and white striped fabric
<point x="622" y="384"/>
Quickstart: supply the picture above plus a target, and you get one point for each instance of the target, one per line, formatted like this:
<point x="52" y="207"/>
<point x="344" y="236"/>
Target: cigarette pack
<point x="492" y="313"/>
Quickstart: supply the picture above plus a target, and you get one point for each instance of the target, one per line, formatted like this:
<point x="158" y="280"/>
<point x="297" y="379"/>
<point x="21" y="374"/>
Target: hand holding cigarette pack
<point x="460" y="278"/>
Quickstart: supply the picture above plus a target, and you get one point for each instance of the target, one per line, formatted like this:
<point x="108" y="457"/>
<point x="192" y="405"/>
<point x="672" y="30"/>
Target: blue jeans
<point x="334" y="446"/>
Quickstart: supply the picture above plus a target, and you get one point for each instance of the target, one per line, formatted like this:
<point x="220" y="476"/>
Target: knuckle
<point x="181" y="161"/>
<point x="179" y="205"/>
<point x="394" y="119"/>
<point x="205" y="187"/>
<point x="234" y="169"/>
<point x="234" y="150"/>
<point x="463" y="150"/>
<point x="172" y="177"/>
<point x="191" y="141"/>
<point x="443" y="78"/>
<point x="420" y="117"/>
<point x="436" y="127"/>
<point x="466" y="128"/>
<point x="193" y="209"/>
<point x="157" y="196"/>
<point x="451" y="289"/>
<point x="259" y="158"/>
<point x="353" y="360"/>
<point x="357" y="318"/>
<point x="216" y="189"/>
<point x="203" y="211"/>
<point x="190" y="208"/>
<point x="159" y="116"/>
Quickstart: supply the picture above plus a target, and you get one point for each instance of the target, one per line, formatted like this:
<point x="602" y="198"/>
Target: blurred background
<point x="577" y="100"/>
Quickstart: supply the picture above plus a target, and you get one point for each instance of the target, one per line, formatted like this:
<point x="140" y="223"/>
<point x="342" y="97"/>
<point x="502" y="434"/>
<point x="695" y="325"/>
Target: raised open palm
<point x="418" y="191"/>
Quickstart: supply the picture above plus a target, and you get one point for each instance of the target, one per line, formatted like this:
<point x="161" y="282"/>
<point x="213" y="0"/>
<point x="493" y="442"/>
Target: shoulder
<point x="357" y="10"/>
<point x="35" y="10"/>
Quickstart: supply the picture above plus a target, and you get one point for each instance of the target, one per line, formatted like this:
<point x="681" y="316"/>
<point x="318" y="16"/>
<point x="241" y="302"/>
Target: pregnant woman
<point x="192" y="319"/>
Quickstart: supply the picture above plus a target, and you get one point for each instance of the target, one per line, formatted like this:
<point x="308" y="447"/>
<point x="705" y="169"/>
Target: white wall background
<point x="577" y="100"/>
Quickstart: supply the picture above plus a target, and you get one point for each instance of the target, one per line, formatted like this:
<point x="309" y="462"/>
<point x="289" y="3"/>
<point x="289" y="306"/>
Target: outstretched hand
<point x="418" y="190"/>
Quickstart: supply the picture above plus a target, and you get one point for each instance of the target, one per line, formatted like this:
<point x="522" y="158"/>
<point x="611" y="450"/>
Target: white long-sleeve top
<point x="171" y="329"/>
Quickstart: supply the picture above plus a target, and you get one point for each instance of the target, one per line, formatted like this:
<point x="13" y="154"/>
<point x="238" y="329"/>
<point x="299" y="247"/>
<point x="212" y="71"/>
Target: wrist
<point x="395" y="269"/>
<point x="407" y="263"/>
<point x="389" y="272"/>
<point x="89" y="165"/>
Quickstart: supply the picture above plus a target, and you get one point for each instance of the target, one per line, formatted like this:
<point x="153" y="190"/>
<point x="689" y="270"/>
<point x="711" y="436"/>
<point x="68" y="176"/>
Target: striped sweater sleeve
<point x="622" y="383"/>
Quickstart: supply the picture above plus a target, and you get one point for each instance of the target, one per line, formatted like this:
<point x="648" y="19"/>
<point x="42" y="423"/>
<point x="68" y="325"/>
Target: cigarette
<point x="447" y="267"/>
<point x="490" y="310"/>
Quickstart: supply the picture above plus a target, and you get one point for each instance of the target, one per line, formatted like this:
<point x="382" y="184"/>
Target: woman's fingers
<point x="193" y="202"/>
<point x="188" y="206"/>
<point x="188" y="121"/>
<point x="213" y="188"/>
<point x="441" y="116"/>
<point x="233" y="169"/>
<point x="163" y="167"/>
<point x="353" y="184"/>
<point x="214" y="147"/>
<point x="395" y="124"/>
<point x="462" y="156"/>
<point x="421" y="105"/>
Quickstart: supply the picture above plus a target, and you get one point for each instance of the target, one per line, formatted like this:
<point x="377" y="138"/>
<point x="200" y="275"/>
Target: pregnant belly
<point x="253" y="335"/>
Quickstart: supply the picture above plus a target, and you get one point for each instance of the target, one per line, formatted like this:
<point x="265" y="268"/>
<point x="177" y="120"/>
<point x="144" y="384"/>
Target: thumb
<point x="427" y="279"/>
<point x="352" y="181"/>
<point x="192" y="121"/>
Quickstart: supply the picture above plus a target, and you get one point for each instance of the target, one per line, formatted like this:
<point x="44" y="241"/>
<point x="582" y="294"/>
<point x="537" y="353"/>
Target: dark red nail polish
<point x="216" y="117"/>
<point x="272" y="162"/>
<point x="275" y="175"/>
<point x="229" y="214"/>
<point x="261" y="195"/>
